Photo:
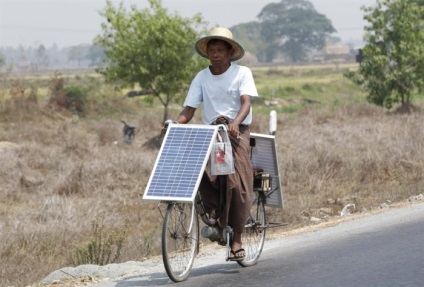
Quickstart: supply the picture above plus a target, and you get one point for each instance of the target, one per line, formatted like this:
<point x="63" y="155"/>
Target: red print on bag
<point x="220" y="156"/>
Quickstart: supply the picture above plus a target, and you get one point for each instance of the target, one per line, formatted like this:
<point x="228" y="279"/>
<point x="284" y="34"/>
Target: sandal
<point x="235" y="256"/>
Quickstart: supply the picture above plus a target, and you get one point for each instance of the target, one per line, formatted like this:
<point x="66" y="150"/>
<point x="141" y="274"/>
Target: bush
<point x="103" y="249"/>
<point x="74" y="99"/>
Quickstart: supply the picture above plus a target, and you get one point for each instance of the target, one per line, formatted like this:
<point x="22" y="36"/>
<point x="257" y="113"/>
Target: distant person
<point x="225" y="89"/>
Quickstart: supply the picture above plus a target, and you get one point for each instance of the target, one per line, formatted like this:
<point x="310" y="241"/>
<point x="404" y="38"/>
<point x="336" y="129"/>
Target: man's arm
<point x="245" y="102"/>
<point x="186" y="115"/>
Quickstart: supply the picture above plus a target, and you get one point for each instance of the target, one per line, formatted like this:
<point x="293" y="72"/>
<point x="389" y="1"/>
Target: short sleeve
<point x="247" y="85"/>
<point x="194" y="96"/>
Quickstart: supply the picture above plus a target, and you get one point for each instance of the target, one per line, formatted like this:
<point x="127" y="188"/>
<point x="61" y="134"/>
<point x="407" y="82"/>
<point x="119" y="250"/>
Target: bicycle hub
<point x="211" y="233"/>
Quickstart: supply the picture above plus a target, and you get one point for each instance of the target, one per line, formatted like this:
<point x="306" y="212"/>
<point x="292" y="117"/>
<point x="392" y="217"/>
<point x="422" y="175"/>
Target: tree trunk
<point x="165" y="112"/>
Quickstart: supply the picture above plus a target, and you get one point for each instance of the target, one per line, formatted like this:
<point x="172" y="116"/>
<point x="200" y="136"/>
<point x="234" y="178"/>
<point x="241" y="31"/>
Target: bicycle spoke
<point x="253" y="237"/>
<point x="179" y="240"/>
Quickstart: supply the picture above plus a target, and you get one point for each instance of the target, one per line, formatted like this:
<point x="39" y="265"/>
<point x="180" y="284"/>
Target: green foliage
<point x="78" y="53"/>
<point x="42" y="58"/>
<point x="392" y="66"/>
<point x="71" y="97"/>
<point x="419" y="2"/>
<point x="2" y="60"/>
<point x="104" y="248"/>
<point x="250" y="34"/>
<point x="75" y="98"/>
<point x="294" y="27"/>
<point x="95" y="54"/>
<point x="151" y="49"/>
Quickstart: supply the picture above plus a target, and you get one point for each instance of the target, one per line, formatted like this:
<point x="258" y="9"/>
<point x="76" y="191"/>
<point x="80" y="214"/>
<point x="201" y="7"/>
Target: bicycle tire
<point x="180" y="237"/>
<point x="253" y="236"/>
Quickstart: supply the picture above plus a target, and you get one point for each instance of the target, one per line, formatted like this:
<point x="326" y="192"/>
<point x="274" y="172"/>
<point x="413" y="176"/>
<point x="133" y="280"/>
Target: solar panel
<point x="264" y="155"/>
<point x="181" y="162"/>
<point x="182" y="159"/>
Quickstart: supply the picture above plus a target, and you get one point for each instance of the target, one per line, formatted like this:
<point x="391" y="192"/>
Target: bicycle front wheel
<point x="180" y="237"/>
<point x="253" y="236"/>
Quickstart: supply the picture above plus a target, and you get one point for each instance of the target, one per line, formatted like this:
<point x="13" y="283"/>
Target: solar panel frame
<point x="264" y="155"/>
<point x="181" y="162"/>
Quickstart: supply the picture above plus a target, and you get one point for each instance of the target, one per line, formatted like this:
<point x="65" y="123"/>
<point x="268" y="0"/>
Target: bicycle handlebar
<point x="164" y="128"/>
<point x="167" y="122"/>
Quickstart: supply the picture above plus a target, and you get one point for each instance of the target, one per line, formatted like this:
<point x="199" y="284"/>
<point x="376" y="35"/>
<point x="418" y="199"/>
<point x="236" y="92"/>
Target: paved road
<point x="386" y="249"/>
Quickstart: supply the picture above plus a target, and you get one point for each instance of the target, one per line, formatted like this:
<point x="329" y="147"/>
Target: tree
<point x="392" y="65"/>
<point x="78" y="53"/>
<point x="150" y="48"/>
<point x="294" y="27"/>
<point x="250" y="35"/>
<point x="419" y="2"/>
<point x="42" y="58"/>
<point x="2" y="60"/>
<point x="95" y="54"/>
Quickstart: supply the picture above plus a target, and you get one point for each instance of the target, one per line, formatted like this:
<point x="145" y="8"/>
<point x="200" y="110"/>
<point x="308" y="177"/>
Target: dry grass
<point x="353" y="154"/>
<point x="59" y="174"/>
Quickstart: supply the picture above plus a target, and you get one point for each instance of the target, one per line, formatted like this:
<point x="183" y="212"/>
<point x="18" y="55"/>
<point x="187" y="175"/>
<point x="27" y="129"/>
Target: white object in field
<point x="347" y="209"/>
<point x="272" y="122"/>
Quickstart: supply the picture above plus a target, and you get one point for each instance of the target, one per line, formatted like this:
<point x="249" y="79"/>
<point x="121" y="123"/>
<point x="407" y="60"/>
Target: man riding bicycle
<point x="225" y="89"/>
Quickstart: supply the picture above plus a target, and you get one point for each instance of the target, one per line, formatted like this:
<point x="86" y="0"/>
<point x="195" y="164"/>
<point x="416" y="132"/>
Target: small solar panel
<point x="181" y="162"/>
<point x="264" y="156"/>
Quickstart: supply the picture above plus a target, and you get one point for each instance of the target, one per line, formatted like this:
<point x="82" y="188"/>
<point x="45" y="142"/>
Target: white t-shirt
<point x="220" y="94"/>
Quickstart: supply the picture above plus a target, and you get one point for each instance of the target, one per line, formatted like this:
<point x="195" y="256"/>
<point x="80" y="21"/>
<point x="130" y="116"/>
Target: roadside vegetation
<point x="71" y="189"/>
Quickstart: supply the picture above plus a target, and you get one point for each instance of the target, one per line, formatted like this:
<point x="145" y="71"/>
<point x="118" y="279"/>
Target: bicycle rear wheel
<point x="180" y="237"/>
<point x="253" y="236"/>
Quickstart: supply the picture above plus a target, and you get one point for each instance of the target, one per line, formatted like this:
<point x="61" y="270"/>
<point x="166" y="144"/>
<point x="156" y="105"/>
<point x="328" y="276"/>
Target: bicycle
<point x="180" y="230"/>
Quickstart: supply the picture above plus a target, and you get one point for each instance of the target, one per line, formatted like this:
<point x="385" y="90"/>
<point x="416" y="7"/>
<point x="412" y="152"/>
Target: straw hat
<point x="221" y="34"/>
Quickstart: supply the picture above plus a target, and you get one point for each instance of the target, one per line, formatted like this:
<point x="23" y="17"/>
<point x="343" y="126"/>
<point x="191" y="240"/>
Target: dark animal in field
<point x="128" y="133"/>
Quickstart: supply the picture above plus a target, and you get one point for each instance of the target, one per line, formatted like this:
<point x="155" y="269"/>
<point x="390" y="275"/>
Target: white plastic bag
<point x="222" y="155"/>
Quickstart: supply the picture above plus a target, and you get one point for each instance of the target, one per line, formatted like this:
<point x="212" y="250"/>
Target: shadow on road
<point x="161" y="278"/>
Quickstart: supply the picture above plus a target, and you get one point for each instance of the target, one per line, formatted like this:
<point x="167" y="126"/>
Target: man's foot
<point x="213" y="220"/>
<point x="237" y="255"/>
<point x="237" y="252"/>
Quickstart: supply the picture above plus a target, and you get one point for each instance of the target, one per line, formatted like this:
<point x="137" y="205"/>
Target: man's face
<point x="218" y="53"/>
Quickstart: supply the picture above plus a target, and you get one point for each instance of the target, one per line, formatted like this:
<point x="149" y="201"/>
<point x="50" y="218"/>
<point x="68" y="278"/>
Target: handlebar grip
<point x="167" y="122"/>
<point x="165" y="128"/>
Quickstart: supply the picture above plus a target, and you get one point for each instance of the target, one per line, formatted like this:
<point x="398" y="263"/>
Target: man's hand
<point x="164" y="128"/>
<point x="166" y="124"/>
<point x="233" y="130"/>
